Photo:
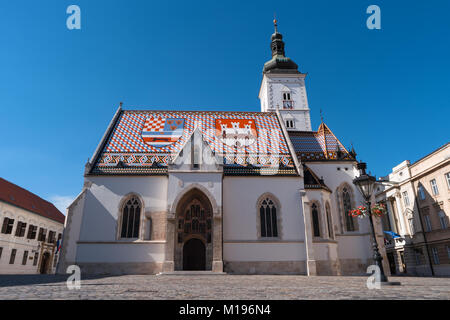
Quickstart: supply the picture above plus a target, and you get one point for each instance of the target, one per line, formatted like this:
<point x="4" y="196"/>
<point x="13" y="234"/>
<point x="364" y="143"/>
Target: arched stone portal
<point x="194" y="221"/>
<point x="194" y="232"/>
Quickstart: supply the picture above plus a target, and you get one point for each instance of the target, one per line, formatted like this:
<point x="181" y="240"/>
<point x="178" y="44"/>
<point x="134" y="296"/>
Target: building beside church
<point x="418" y="203"/>
<point x="30" y="229"/>
<point x="236" y="192"/>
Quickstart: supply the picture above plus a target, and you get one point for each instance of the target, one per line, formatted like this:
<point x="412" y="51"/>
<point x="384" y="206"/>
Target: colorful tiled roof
<point x="15" y="195"/>
<point x="319" y="145"/>
<point x="145" y="142"/>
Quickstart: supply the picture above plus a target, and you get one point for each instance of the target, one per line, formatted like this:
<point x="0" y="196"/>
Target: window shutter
<point x="19" y="226"/>
<point x="5" y="225"/>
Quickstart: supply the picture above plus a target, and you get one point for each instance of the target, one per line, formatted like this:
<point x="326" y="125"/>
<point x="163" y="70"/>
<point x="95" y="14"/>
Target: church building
<point x="234" y="192"/>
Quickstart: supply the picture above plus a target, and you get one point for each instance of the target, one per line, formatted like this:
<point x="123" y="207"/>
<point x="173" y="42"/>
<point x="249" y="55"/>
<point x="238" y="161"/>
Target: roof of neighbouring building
<point x="17" y="196"/>
<point x="145" y="142"/>
<point x="319" y="145"/>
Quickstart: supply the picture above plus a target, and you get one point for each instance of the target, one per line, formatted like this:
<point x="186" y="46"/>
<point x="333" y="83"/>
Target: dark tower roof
<point x="279" y="62"/>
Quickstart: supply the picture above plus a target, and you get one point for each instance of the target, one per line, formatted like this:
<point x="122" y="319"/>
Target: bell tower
<point x="283" y="87"/>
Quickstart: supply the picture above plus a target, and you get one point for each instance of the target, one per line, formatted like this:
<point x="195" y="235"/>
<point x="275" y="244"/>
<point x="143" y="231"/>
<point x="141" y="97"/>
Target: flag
<point x="58" y="246"/>
<point x="392" y="234"/>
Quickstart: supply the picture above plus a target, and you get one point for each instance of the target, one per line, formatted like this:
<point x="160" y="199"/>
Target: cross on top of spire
<point x="275" y="23"/>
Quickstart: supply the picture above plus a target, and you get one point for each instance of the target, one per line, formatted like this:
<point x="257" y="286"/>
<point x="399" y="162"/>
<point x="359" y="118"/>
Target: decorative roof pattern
<point x="318" y="146"/>
<point x="17" y="196"/>
<point x="259" y="140"/>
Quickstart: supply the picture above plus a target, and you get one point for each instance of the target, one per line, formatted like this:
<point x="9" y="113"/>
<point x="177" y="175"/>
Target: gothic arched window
<point x="329" y="221"/>
<point x="131" y="216"/>
<point x="268" y="216"/>
<point x="315" y="220"/>
<point x="196" y="219"/>
<point x="347" y="206"/>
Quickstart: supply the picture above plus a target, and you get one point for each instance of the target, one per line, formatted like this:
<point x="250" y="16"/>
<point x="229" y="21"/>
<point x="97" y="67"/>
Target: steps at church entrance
<point x="191" y="273"/>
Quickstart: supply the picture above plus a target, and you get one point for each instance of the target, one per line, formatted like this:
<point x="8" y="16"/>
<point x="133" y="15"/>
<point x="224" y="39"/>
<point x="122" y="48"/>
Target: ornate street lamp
<point x="365" y="184"/>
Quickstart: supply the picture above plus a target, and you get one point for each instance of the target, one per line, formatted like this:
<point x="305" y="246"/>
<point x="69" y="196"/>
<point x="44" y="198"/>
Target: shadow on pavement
<point x="11" y="280"/>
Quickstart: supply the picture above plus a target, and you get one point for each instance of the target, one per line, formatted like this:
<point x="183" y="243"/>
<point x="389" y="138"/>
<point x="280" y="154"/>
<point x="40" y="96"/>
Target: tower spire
<point x="279" y="62"/>
<point x="283" y="86"/>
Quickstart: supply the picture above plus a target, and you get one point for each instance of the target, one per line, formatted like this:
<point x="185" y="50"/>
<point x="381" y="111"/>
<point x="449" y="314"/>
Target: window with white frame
<point x="447" y="177"/>
<point x="427" y="222"/>
<point x="8" y="225"/>
<point x="435" y="253"/>
<point x="406" y="198"/>
<point x="12" y="257"/>
<point x="20" y="229"/>
<point x="421" y="192"/>
<point x="442" y="219"/>
<point x="24" y="257"/>
<point x="286" y="96"/>
<point x="35" y="259"/>
<point x="287" y="102"/>
<point x="434" y="187"/>
<point x="32" y="231"/>
<point x="290" y="124"/>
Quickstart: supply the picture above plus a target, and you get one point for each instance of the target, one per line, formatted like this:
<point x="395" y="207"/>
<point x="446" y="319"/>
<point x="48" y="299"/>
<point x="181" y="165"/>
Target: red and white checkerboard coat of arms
<point x="160" y="132"/>
<point x="236" y="132"/>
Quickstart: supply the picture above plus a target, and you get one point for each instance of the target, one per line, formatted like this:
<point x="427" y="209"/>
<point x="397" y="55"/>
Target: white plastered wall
<point x="8" y="242"/>
<point x="97" y="218"/>
<point x="240" y="198"/>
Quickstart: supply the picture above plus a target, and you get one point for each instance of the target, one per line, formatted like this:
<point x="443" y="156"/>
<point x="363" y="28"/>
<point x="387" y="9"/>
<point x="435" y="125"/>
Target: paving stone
<point x="247" y="287"/>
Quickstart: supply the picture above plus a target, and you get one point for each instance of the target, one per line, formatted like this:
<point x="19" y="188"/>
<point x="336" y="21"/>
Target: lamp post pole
<point x="365" y="184"/>
<point x="376" y="252"/>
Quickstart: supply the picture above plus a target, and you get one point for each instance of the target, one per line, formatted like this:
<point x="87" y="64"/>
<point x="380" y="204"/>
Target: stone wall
<point x="265" y="267"/>
<point x="120" y="268"/>
<point x="354" y="267"/>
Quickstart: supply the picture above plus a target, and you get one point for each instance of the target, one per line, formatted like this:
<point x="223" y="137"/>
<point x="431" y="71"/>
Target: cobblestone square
<point x="218" y="287"/>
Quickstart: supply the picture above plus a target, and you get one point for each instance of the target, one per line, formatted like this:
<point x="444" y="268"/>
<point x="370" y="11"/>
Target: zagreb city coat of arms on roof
<point x="236" y="132"/>
<point x="160" y="132"/>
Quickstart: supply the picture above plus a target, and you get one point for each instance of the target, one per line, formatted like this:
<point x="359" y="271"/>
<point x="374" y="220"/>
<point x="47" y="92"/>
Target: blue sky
<point x="386" y="91"/>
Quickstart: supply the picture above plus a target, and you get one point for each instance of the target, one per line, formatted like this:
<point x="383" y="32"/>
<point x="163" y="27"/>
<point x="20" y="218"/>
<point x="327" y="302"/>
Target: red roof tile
<point x="133" y="142"/>
<point x="15" y="195"/>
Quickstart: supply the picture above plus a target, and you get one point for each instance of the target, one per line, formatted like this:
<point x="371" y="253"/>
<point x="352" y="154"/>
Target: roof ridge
<point x="27" y="191"/>
<point x="321" y="130"/>
<point x="20" y="197"/>
<point x="431" y="153"/>
<point x="195" y="111"/>
<point x="331" y="132"/>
